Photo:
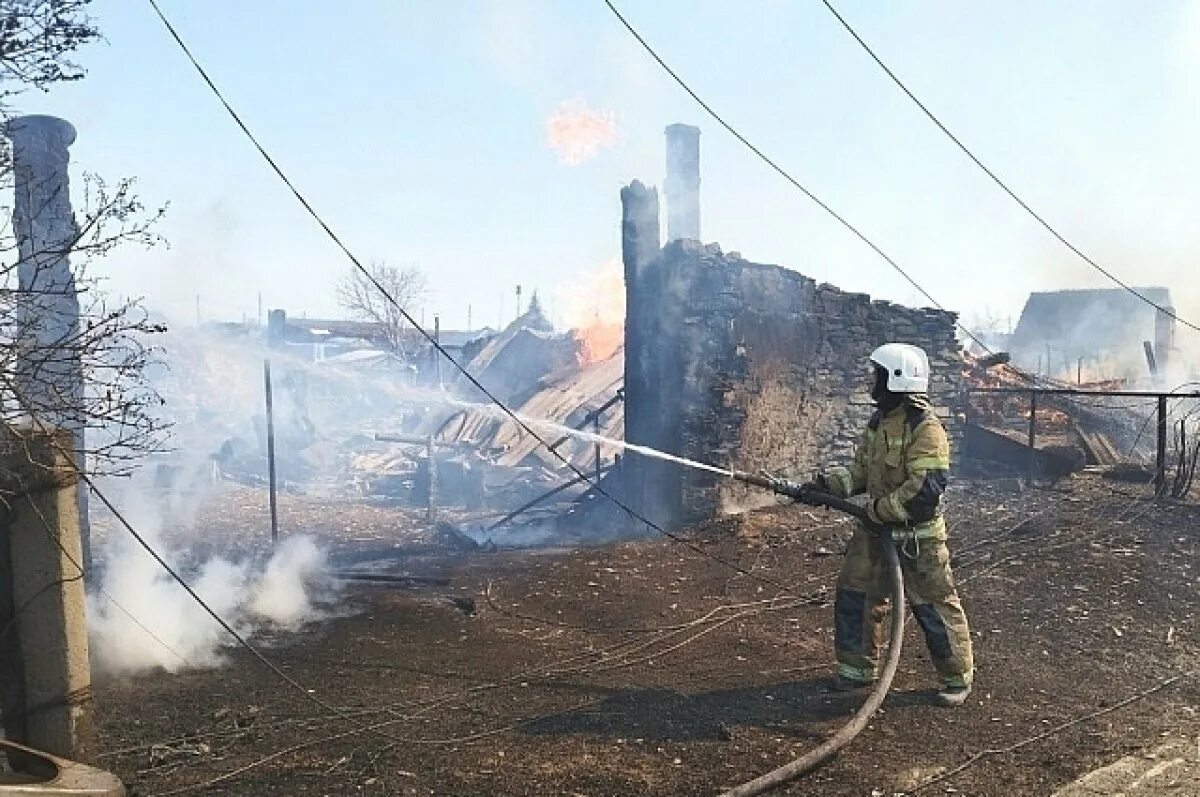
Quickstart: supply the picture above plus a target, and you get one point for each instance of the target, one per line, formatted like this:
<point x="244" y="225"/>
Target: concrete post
<point x="682" y="185"/>
<point x="48" y="702"/>
<point x="431" y="458"/>
<point x="48" y="377"/>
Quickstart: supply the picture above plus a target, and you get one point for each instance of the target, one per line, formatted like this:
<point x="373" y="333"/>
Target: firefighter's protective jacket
<point x="902" y="463"/>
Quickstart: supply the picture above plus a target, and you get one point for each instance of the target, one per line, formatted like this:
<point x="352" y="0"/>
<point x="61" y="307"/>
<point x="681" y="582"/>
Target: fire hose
<point x="831" y="746"/>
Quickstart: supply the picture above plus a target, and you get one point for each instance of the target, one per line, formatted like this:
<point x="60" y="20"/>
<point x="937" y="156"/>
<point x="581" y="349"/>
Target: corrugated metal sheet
<point x="565" y="400"/>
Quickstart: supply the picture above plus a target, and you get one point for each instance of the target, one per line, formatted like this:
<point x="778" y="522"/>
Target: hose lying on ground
<point x="831" y="746"/>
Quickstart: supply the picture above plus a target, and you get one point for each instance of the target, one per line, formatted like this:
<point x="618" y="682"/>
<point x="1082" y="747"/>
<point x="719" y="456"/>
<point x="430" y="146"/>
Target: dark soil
<point x="646" y="668"/>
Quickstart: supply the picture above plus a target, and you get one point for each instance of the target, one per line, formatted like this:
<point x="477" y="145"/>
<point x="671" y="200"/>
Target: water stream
<point x="438" y="397"/>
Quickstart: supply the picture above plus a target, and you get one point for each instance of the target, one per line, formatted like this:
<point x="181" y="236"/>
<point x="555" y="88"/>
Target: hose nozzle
<point x="804" y="493"/>
<point x="799" y="492"/>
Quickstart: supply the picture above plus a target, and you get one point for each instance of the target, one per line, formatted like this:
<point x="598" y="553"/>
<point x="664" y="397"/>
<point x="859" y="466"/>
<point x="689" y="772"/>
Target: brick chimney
<point x="682" y="186"/>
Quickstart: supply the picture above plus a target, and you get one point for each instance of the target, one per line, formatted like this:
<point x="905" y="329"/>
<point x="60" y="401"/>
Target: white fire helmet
<point x="907" y="367"/>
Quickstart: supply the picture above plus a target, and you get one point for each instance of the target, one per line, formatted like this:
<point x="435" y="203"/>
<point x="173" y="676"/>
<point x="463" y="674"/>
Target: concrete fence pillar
<point x="44" y="648"/>
<point x="48" y="375"/>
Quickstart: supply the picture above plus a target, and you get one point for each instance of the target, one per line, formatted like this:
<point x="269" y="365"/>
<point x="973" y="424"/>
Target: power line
<point x="58" y="543"/>
<point x="433" y="342"/>
<point x="842" y="220"/>
<point x="996" y="179"/>
<point x="229" y="629"/>
<point x="95" y="490"/>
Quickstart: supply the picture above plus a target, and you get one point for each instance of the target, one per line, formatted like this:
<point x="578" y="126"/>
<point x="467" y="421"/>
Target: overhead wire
<point x="827" y="208"/>
<point x="86" y="478"/>
<point x="44" y="522"/>
<point x="442" y="352"/>
<point x="842" y="220"/>
<point x="1041" y="220"/>
<point x="429" y="338"/>
<point x="785" y="174"/>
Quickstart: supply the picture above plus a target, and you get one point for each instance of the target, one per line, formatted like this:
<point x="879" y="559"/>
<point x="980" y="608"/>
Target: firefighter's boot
<point x="841" y="683"/>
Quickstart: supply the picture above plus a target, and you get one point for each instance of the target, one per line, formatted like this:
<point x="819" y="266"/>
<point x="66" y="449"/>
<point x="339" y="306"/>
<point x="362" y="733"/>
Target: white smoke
<point x="169" y="630"/>
<point x="283" y="593"/>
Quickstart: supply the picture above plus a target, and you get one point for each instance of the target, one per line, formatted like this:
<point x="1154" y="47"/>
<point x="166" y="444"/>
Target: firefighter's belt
<point x="931" y="530"/>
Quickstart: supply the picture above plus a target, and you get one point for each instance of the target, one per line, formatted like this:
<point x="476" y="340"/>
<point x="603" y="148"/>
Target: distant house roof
<point x="361" y="356"/>
<point x="1087" y="321"/>
<point x="373" y="359"/>
<point x="1102" y="313"/>
<point x="305" y="329"/>
<point x="321" y="330"/>
<point x="457" y="338"/>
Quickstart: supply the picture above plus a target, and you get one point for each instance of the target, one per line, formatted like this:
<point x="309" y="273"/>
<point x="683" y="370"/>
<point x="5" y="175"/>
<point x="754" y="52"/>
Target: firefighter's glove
<point x="790" y="489"/>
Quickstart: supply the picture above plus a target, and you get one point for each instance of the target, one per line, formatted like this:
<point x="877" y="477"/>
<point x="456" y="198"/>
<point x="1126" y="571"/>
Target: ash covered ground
<point x="646" y="668"/>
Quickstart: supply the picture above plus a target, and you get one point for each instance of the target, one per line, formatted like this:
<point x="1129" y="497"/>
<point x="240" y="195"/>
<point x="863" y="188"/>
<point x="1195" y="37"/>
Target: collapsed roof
<point x="566" y="400"/>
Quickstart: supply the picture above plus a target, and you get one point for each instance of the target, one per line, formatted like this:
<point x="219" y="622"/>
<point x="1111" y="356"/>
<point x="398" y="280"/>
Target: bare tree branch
<point x="112" y="342"/>
<point x="363" y="300"/>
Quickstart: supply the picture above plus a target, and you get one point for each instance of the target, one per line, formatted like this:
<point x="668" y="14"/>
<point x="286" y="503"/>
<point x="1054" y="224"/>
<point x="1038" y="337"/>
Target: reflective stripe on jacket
<point x="902" y="462"/>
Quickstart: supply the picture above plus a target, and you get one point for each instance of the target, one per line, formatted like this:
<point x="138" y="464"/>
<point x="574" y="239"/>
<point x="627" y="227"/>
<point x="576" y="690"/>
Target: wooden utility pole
<point x="1160" y="458"/>
<point x="596" y="431"/>
<point x="437" y="355"/>
<point x="431" y="506"/>
<point x="271" y="452"/>
<point x="1033" y="406"/>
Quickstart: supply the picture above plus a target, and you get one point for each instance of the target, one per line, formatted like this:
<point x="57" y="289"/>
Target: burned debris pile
<point x="715" y="359"/>
<point x="1016" y="421"/>
<point x="354" y="421"/>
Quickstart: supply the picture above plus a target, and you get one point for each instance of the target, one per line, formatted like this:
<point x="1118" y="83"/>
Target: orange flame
<point x="599" y="341"/>
<point x="594" y="309"/>
<point x="578" y="133"/>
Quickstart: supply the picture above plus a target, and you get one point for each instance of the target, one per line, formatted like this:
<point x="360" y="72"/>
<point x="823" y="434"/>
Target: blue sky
<point x="419" y="129"/>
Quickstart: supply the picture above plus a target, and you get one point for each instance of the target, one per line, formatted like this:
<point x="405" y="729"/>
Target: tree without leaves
<point x="359" y="296"/>
<point x="37" y="39"/>
<point x="111" y="342"/>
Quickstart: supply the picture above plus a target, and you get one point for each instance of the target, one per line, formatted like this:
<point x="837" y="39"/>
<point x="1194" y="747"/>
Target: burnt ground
<point x="646" y="668"/>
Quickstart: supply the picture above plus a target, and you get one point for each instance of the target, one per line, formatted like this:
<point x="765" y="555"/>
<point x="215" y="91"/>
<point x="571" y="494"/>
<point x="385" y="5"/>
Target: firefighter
<point x="902" y="463"/>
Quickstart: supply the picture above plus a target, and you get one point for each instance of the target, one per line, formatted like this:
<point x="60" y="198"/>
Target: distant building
<point x="1100" y="332"/>
<point x="318" y="339"/>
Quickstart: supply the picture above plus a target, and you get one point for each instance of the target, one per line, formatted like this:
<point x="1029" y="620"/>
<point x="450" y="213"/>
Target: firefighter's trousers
<point x="861" y="607"/>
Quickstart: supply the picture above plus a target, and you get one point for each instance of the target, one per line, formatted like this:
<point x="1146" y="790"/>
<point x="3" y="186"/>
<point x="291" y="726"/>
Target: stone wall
<point x="756" y="367"/>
